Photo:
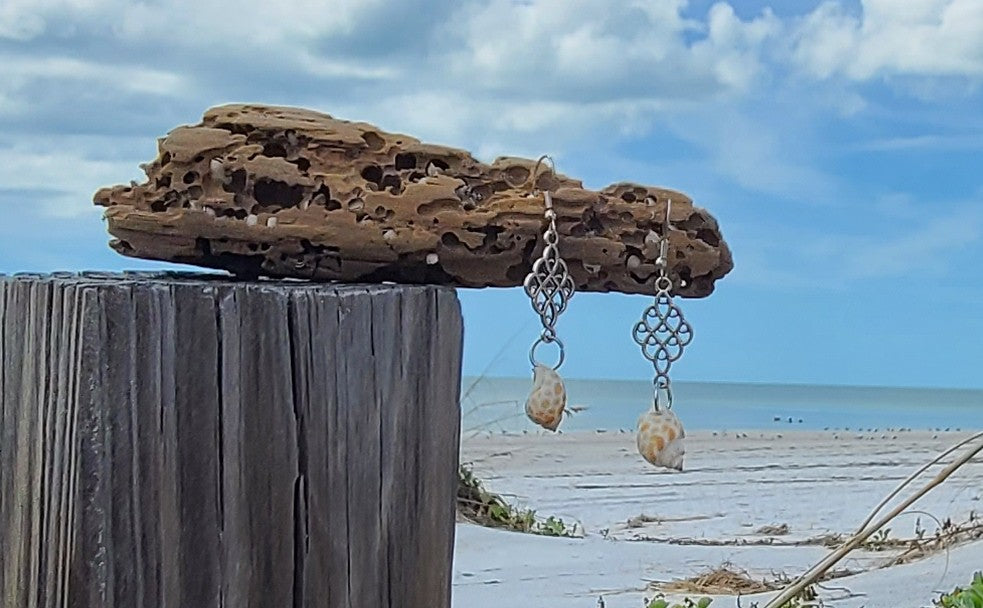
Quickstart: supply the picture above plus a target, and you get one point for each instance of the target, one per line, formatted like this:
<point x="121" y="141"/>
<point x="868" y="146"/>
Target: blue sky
<point x="840" y="144"/>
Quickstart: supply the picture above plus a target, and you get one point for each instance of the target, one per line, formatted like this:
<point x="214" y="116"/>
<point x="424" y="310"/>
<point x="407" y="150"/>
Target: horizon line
<point x="753" y="383"/>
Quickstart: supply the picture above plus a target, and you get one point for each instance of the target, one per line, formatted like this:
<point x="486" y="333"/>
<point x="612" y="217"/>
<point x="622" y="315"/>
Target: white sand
<point x="816" y="483"/>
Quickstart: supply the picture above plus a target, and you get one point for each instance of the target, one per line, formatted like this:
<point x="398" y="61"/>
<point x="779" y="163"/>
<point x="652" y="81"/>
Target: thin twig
<point x="814" y="573"/>
<point x="478" y="429"/>
<point x="488" y="404"/>
<point x="493" y="361"/>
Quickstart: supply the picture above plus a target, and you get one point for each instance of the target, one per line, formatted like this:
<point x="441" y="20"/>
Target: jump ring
<point x="660" y="388"/>
<point x="541" y="340"/>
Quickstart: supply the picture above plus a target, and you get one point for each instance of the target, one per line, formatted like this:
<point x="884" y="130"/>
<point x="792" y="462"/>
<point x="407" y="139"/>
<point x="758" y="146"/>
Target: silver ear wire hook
<point x="663" y="260"/>
<point x="535" y="175"/>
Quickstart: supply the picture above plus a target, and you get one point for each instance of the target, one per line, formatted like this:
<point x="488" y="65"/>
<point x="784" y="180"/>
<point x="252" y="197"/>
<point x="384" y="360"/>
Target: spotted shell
<point x="660" y="439"/>
<point x="547" y="398"/>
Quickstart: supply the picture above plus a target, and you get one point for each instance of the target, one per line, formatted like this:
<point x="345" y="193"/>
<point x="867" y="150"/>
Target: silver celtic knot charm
<point x="549" y="288"/>
<point x="662" y="333"/>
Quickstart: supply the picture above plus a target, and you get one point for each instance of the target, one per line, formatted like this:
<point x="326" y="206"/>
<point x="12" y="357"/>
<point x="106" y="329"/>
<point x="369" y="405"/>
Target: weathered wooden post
<point x="193" y="441"/>
<point x="177" y="441"/>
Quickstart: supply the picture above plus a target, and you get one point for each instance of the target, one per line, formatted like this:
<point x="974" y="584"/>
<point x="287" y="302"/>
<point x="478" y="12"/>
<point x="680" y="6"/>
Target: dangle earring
<point x="662" y="333"/>
<point x="549" y="287"/>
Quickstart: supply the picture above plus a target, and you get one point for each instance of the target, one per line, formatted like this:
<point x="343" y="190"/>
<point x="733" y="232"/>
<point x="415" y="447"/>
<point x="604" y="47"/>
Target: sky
<point x="838" y="143"/>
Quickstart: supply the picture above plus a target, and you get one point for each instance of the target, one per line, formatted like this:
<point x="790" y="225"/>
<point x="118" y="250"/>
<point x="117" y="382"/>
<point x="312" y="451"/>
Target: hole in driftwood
<point x="274" y="193"/>
<point x="373" y="141"/>
<point x="435" y="166"/>
<point x="392" y="182"/>
<point x="516" y="175"/>
<point x="237" y="181"/>
<point x="708" y="237"/>
<point x="405" y="160"/>
<point x="372" y="174"/>
<point x="274" y="149"/>
<point x="438" y="205"/>
<point x="302" y="163"/>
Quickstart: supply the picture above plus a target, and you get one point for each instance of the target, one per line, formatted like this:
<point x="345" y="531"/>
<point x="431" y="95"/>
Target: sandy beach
<point x="643" y="527"/>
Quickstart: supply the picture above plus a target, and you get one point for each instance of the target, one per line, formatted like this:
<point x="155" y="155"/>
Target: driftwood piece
<point x="283" y="192"/>
<point x="176" y="442"/>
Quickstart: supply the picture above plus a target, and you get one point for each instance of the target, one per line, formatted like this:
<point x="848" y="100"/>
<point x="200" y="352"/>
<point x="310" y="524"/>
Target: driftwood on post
<point x="177" y="441"/>
<point x="285" y="192"/>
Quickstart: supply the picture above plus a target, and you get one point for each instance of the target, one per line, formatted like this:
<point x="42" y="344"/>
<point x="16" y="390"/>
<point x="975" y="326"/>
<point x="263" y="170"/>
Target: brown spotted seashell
<point x="547" y="398"/>
<point x="660" y="439"/>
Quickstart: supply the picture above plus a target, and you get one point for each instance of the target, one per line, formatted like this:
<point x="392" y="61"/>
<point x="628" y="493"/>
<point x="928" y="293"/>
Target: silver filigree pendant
<point x="549" y="287"/>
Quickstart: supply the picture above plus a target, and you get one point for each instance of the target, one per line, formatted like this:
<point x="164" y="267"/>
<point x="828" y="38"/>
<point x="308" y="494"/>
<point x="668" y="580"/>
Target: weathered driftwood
<point x="174" y="442"/>
<point x="292" y="193"/>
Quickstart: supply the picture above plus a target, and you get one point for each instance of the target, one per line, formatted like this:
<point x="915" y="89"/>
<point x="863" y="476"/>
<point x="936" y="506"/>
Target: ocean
<point x="497" y="404"/>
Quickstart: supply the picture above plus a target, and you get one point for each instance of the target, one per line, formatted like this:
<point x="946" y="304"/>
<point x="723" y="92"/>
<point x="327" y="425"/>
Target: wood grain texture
<point x="181" y="441"/>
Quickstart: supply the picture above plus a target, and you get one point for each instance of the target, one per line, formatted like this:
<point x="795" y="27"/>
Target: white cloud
<point x="965" y="141"/>
<point x="896" y="237"/>
<point x="247" y="23"/>
<point x="925" y="247"/>
<point x="61" y="180"/>
<point x="761" y="147"/>
<point x="733" y="46"/>
<point x="891" y="38"/>
<point x="583" y="49"/>
<point x="322" y="67"/>
<point x="16" y="71"/>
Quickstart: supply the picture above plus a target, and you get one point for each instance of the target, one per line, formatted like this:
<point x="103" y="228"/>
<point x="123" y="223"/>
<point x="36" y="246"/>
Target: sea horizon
<point x="467" y="378"/>
<point x="497" y="402"/>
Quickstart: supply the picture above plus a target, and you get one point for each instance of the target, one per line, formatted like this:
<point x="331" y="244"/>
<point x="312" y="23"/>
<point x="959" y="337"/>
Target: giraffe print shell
<point x="547" y="398"/>
<point x="660" y="439"/>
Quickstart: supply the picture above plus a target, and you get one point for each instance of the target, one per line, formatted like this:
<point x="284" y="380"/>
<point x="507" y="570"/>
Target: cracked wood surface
<point x="286" y="192"/>
<point x="172" y="441"/>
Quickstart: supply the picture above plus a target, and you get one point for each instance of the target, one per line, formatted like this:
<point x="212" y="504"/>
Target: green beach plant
<point x="659" y="601"/>
<point x="878" y="541"/>
<point x="971" y="597"/>
<point x="485" y="508"/>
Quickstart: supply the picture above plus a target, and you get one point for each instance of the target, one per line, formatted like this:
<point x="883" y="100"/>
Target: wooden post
<point x="178" y="441"/>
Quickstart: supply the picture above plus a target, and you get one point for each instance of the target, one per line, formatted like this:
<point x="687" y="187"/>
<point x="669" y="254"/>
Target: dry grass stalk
<point x="722" y="581"/>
